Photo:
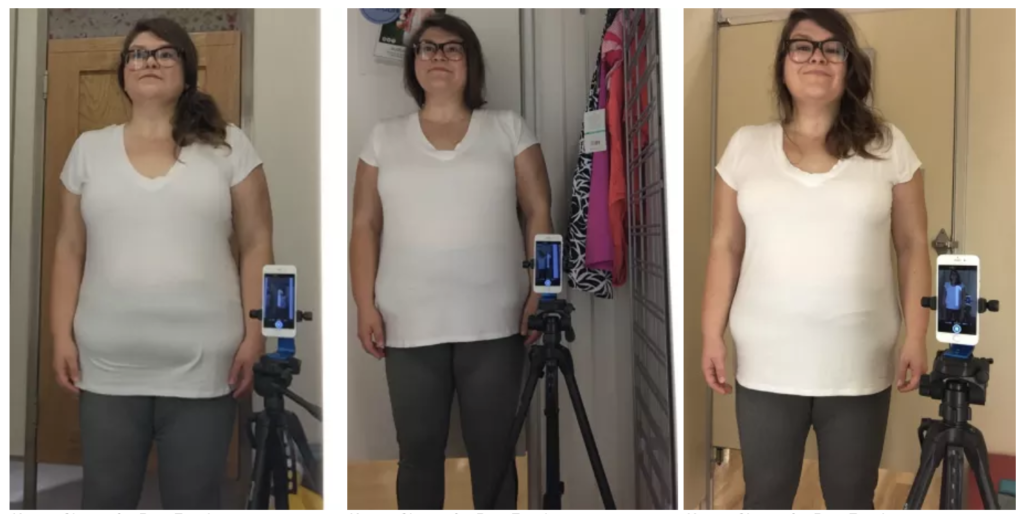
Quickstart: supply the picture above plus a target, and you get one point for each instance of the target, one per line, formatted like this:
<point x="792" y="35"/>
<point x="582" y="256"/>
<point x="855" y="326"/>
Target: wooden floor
<point x="371" y="485"/>
<point x="890" y="494"/>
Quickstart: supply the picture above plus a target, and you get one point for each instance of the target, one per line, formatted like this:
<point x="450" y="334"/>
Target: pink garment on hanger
<point x="600" y="249"/>
<point x="612" y="49"/>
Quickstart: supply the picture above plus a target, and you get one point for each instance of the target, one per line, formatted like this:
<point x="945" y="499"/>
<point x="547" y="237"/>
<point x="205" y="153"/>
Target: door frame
<point x="958" y="221"/>
<point x="31" y="191"/>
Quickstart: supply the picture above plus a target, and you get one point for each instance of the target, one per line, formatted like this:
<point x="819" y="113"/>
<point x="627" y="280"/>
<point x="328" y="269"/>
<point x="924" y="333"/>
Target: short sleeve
<point x="522" y="136"/>
<point x="371" y="148"/>
<point x="730" y="165"/>
<point x="902" y="157"/>
<point x="243" y="155"/>
<point x="73" y="175"/>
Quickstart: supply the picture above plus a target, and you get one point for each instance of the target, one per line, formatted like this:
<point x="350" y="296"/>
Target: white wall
<point x="566" y="42"/>
<point x="286" y="133"/>
<point x="26" y="206"/>
<point x="376" y="92"/>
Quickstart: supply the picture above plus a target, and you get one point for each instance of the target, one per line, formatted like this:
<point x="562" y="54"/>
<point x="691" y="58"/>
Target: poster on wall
<point x="395" y="35"/>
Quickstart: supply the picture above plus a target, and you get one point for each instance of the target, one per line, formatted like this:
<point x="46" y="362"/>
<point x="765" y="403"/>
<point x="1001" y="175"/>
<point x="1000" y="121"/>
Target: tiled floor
<point x="60" y="488"/>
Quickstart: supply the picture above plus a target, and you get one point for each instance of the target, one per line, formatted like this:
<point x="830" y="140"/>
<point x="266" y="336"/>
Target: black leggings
<point x="421" y="381"/>
<point x="192" y="438"/>
<point x="773" y="434"/>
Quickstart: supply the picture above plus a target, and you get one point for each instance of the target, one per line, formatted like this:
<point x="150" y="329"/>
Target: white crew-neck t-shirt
<point x="159" y="309"/>
<point x="451" y="250"/>
<point x="816" y="310"/>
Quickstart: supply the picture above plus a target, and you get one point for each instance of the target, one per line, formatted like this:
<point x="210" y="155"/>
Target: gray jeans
<point x="422" y="381"/>
<point x="773" y="434"/>
<point x="192" y="438"/>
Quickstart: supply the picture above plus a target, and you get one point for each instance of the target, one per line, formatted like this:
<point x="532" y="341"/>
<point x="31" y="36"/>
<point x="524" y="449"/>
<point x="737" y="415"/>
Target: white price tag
<point x="595" y="133"/>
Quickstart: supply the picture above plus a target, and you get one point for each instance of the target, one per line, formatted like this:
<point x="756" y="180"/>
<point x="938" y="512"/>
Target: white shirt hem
<point x="157" y="391"/>
<point x="859" y="391"/>
<point x="475" y="338"/>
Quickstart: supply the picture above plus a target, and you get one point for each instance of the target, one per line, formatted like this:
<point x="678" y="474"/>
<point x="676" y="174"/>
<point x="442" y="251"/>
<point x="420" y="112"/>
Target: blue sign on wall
<point x="380" y="16"/>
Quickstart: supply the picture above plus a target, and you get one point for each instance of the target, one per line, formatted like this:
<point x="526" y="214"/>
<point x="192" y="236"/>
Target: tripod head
<point x="553" y="316"/>
<point x="272" y="375"/>
<point x="958" y="378"/>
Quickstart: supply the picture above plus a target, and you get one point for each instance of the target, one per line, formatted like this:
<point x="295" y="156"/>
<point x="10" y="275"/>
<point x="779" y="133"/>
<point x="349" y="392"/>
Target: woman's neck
<point x="813" y="121"/>
<point x="151" y="120"/>
<point x="444" y="109"/>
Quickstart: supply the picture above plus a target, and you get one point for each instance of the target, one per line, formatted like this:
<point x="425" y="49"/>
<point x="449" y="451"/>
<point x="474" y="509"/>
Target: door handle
<point x="944" y="244"/>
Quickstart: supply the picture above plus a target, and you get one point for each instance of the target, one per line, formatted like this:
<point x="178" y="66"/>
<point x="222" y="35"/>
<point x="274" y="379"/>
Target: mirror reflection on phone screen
<point x="279" y="301"/>
<point x="958" y="299"/>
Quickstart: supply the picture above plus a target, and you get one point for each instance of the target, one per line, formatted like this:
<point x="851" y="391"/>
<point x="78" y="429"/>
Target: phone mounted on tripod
<point x="959" y="379"/>
<point x="275" y="433"/>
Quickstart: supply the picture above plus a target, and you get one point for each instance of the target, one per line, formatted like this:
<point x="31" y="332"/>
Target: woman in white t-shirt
<point x="800" y="269"/>
<point x="147" y="299"/>
<point x="436" y="263"/>
<point x="953" y="291"/>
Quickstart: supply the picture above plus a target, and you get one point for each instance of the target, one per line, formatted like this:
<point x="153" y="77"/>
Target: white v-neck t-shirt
<point x="816" y="309"/>
<point x="159" y="309"/>
<point x="451" y="250"/>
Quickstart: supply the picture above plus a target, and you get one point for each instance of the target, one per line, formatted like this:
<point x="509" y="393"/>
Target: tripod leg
<point x="259" y="492"/>
<point x="552" y="453"/>
<point x="932" y="452"/>
<point x="280" y="470"/>
<point x="565" y="363"/>
<point x="308" y="463"/>
<point x="536" y="365"/>
<point x="977" y="455"/>
<point x="952" y="495"/>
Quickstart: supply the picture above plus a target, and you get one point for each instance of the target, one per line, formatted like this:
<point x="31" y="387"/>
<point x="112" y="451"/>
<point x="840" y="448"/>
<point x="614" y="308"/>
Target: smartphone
<point x="957" y="283"/>
<point x="547" y="263"/>
<point x="279" y="290"/>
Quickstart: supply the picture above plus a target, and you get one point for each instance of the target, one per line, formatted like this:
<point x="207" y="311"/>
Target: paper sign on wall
<point x="595" y="132"/>
<point x="395" y="36"/>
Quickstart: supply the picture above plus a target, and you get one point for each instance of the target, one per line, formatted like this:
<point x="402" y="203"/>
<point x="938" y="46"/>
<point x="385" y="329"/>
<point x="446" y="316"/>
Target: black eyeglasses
<point x="801" y="50"/>
<point x="165" y="56"/>
<point x="452" y="50"/>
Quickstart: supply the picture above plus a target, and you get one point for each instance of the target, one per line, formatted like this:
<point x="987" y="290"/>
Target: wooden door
<point x="914" y="88"/>
<point x="83" y="94"/>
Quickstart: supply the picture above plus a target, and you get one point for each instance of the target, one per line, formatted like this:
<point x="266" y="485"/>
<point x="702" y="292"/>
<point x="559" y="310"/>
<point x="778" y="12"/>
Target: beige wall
<point x="699" y="36"/>
<point x="26" y="203"/>
<point x="991" y="204"/>
<point x="286" y="133"/>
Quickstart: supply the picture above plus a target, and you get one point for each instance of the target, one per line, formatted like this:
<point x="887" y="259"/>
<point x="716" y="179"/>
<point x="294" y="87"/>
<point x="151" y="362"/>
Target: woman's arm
<point x="68" y="261"/>
<point x="534" y="192"/>
<point x="910" y="237"/>
<point x="254" y="226"/>
<point x="728" y="240"/>
<point x="367" y="225"/>
<point x="66" y="280"/>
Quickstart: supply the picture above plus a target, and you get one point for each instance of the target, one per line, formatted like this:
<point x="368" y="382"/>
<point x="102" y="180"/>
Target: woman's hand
<point x="371" y="332"/>
<point x="913" y="358"/>
<point x="713" y="364"/>
<point x="65" y="365"/>
<point x="240" y="377"/>
<point x="532" y="303"/>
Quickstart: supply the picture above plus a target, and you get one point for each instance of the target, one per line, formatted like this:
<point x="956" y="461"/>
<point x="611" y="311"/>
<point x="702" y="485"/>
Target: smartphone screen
<point x="548" y="264"/>
<point x="279" y="301"/>
<point x="958" y="299"/>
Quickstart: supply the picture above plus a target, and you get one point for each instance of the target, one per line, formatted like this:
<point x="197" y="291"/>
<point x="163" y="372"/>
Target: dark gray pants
<point x="421" y="381"/>
<point x="192" y="438"/>
<point x="773" y="434"/>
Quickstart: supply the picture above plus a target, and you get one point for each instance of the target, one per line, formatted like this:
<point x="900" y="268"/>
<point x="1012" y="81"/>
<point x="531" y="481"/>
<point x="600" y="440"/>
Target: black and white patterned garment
<point x="595" y="281"/>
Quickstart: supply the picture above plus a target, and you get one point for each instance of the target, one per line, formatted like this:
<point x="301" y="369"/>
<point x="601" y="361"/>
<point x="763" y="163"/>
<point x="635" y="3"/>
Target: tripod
<point x="959" y="380"/>
<point x="274" y="432"/>
<point x="546" y="359"/>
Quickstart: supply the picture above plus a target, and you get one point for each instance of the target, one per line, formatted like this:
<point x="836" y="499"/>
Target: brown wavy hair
<point x="197" y="119"/>
<point x="857" y="127"/>
<point x="473" y="95"/>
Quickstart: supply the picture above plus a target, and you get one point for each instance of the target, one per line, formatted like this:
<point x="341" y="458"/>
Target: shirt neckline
<point x="804" y="177"/>
<point x="417" y="128"/>
<point x="148" y="183"/>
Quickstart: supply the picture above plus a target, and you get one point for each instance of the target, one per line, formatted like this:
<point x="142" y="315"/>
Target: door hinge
<point x="943" y="244"/>
<point x="46" y="83"/>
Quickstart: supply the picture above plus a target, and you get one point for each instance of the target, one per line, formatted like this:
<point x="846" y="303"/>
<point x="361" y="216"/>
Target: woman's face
<point x="153" y="70"/>
<point x="811" y="72"/>
<point x="441" y="62"/>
